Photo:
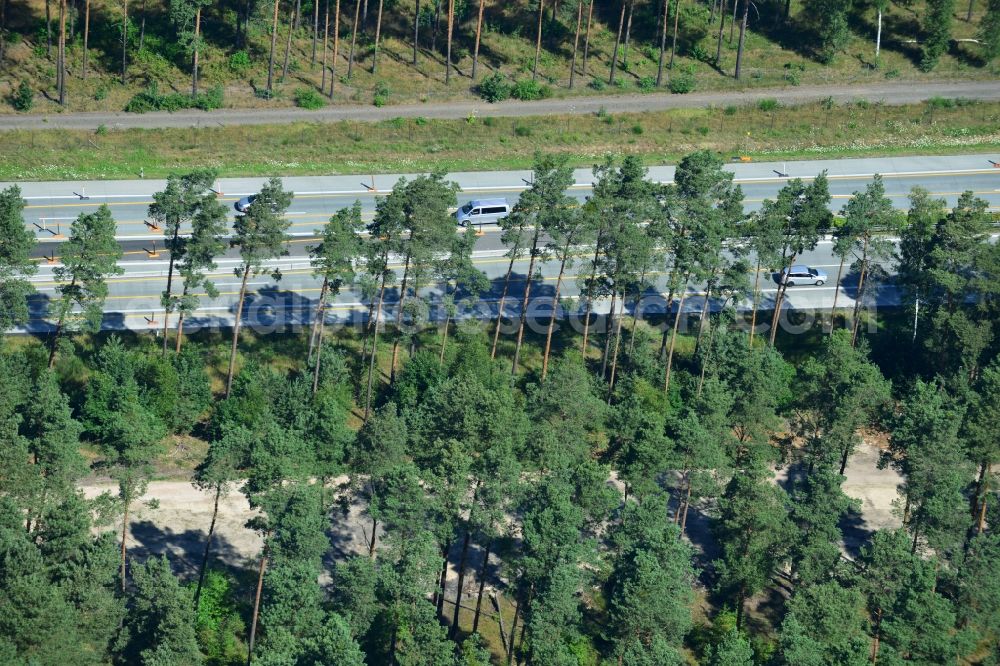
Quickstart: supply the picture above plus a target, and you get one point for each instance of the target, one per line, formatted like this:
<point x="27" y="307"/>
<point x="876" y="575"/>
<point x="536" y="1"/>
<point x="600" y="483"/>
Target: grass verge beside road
<point x="764" y="131"/>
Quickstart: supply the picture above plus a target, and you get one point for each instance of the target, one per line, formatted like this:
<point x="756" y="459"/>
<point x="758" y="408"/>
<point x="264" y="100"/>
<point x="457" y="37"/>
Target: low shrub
<point x="529" y="90"/>
<point x="769" y="104"/>
<point x="24" y="97"/>
<point x="941" y="103"/>
<point x="150" y="99"/>
<point x="598" y="84"/>
<point x="682" y="82"/>
<point x="522" y="130"/>
<point x="101" y="94"/>
<point x="647" y="84"/>
<point x="494" y="88"/>
<point x="381" y="94"/>
<point x="239" y="62"/>
<point x="307" y="98"/>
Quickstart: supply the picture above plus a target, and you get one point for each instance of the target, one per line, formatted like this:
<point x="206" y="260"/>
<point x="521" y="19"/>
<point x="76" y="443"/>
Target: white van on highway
<point x="482" y="211"/>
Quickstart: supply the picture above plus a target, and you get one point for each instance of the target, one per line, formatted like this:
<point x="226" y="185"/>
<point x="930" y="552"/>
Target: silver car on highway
<point x="799" y="275"/>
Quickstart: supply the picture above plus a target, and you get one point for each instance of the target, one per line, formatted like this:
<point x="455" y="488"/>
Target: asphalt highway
<point x="134" y="299"/>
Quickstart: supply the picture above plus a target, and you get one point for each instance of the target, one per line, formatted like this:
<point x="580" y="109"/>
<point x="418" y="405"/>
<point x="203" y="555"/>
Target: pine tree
<point x="260" y="236"/>
<point x="651" y="580"/>
<point x="15" y="260"/>
<point x="89" y="256"/>
<point x="825" y="626"/>
<point x="754" y="531"/>
<point x="832" y="30"/>
<point x="423" y="214"/>
<point x="340" y="245"/>
<point x="806" y="216"/>
<point x="936" y="27"/>
<point x="128" y="432"/>
<point x="159" y="627"/>
<point x="182" y="199"/>
<point x="928" y="453"/>
<point x="538" y="207"/>
<point x="989" y="30"/>
<point x="208" y="228"/>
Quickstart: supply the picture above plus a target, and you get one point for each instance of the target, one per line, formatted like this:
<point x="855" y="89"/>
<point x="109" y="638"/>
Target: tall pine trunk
<point x="555" y="307"/>
<point x="316" y="318"/>
<point x="378" y="37"/>
<point x="614" y="355"/>
<point x="703" y="317"/>
<point x="124" y="537"/>
<point x="590" y="294"/>
<point x="315" y="30"/>
<point x="878" y="35"/>
<point x="538" y="40"/>
<point x="61" y="74"/>
<point x="326" y="43"/>
<point x="439" y="593"/>
<point x="524" y="300"/>
<point x="288" y="46"/>
<point x="399" y="318"/>
<point x="208" y="547"/>
<point x="576" y="43"/>
<point x="743" y="32"/>
<point x="194" y="66"/>
<point x="59" y="328"/>
<point x="236" y="330"/>
<point x="663" y="42"/>
<point x="609" y="326"/>
<point x="779" y="301"/>
<point x="618" y="41"/>
<point x="451" y="30"/>
<point x="336" y="46"/>
<point x="354" y="39"/>
<point x="167" y="292"/>
<point x="586" y="40"/>
<point x="861" y="294"/>
<point x="374" y="351"/>
<point x="673" y="337"/>
<point x="628" y="35"/>
<point x="256" y="605"/>
<point x="482" y="585"/>
<point x="316" y="338"/>
<point x="722" y="28"/>
<point x="503" y="300"/>
<point x="836" y="292"/>
<point x="124" y="40"/>
<point x="142" y="25"/>
<point x="461" y="581"/>
<point x="180" y="329"/>
<point x="416" y="32"/>
<point x="513" y="632"/>
<point x="274" y="43"/>
<point x="673" y="43"/>
<point x="86" y="35"/>
<point x="48" y="29"/>
<point x="479" y="32"/>
<point x="756" y="303"/>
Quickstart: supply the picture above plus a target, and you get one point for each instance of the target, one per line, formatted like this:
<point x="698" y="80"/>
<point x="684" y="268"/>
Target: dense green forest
<point x="615" y="489"/>
<point x="169" y="54"/>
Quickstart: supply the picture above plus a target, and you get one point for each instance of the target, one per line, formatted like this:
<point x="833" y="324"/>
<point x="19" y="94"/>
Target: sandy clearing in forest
<point x="178" y="524"/>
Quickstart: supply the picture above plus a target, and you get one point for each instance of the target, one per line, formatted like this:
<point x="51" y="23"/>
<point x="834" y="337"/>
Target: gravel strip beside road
<point x="890" y="92"/>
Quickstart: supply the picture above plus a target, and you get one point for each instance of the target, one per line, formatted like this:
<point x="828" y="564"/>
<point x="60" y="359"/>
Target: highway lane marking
<point x="84" y="204"/>
<point x="137" y="312"/>
<point x="938" y="173"/>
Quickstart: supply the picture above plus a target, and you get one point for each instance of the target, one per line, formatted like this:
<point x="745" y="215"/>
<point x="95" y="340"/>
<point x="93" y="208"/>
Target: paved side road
<point x="889" y="92"/>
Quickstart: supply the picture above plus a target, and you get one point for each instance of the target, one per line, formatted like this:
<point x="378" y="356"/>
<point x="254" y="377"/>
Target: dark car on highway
<point x="243" y="204"/>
